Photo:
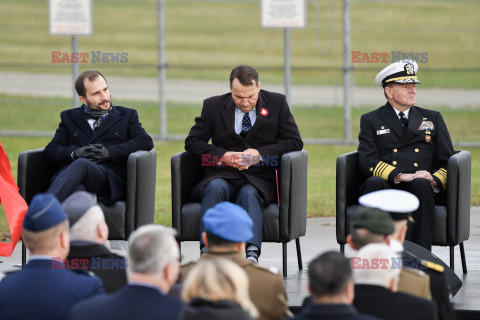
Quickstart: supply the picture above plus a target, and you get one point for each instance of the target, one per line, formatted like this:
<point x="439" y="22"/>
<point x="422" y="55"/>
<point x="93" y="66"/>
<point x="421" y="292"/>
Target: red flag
<point x="13" y="203"/>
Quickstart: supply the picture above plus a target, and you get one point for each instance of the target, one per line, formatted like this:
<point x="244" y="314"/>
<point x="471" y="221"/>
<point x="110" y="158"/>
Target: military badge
<point x="409" y="68"/>
<point x="427" y="138"/>
<point x="426" y="125"/>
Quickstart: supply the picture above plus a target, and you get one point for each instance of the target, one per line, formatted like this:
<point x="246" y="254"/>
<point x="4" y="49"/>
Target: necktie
<point x="246" y="125"/>
<point x="403" y="120"/>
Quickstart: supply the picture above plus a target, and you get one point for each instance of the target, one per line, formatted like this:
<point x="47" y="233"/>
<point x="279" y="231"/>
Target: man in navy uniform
<point x="405" y="147"/>
<point x="92" y="143"/>
<point x="250" y="130"/>
<point x="44" y="289"/>
<point x="153" y="267"/>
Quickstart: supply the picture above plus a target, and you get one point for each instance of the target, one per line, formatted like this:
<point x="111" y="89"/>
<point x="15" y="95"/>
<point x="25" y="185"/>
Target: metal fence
<point x="204" y="39"/>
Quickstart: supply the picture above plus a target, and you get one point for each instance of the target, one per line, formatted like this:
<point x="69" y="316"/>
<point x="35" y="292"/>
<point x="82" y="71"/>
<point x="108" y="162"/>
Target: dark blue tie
<point x="246" y="125"/>
<point x="404" y="121"/>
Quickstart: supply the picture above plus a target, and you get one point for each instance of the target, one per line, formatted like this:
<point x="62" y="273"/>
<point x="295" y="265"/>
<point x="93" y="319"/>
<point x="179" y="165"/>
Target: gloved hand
<point x="100" y="153"/>
<point x="83" y="152"/>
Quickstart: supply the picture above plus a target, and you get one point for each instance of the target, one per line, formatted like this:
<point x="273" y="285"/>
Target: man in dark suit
<point x="331" y="286"/>
<point x="153" y="259"/>
<point x="250" y="129"/>
<point x="405" y="147"/>
<point x="44" y="288"/>
<point x="92" y="143"/>
<point x="376" y="273"/>
<point x="88" y="236"/>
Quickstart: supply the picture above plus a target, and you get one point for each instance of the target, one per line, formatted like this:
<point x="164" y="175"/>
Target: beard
<point x="103" y="105"/>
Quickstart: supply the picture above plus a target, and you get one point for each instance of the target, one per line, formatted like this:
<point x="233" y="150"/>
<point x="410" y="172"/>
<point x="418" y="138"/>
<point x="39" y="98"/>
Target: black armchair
<point x="280" y="224"/>
<point x="122" y="217"/>
<point x="452" y="217"/>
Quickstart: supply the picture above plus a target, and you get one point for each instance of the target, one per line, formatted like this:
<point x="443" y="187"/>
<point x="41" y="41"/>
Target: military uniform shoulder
<point x="83" y="273"/>
<point x="373" y="113"/>
<point x="427" y="112"/>
<point x="268" y="271"/>
<point x="432" y="266"/>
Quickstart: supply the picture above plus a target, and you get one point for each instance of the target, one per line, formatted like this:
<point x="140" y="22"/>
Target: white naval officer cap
<point x="402" y="72"/>
<point x="400" y="204"/>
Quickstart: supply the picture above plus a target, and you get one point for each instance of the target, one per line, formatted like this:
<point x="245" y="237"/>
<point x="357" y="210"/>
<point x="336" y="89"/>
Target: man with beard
<point x="92" y="143"/>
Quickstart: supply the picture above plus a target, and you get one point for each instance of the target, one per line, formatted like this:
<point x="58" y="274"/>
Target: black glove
<point x="83" y="152"/>
<point x="100" y="153"/>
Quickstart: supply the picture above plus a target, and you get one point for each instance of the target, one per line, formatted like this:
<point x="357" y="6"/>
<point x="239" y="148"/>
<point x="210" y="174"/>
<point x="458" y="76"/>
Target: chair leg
<point x="284" y="258"/>
<point x="464" y="261"/>
<point x="452" y="264"/>
<point x="299" y="254"/>
<point x="24" y="253"/>
<point x="342" y="249"/>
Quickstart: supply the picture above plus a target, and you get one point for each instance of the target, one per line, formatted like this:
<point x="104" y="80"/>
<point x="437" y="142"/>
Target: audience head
<point x="227" y="227"/>
<point x="85" y="217"/>
<point x="376" y="264"/>
<point x="45" y="228"/>
<point x="330" y="279"/>
<point x="398" y="203"/>
<point x="370" y="225"/>
<point x="153" y="256"/>
<point x="218" y="279"/>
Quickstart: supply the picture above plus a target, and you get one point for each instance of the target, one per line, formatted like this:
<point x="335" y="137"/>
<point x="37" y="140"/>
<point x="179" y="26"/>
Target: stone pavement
<point x="194" y="91"/>
<point x="320" y="237"/>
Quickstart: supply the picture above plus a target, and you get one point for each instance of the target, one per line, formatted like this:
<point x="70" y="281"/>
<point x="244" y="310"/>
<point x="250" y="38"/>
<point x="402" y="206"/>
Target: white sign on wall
<point x="283" y="14"/>
<point x="71" y="17"/>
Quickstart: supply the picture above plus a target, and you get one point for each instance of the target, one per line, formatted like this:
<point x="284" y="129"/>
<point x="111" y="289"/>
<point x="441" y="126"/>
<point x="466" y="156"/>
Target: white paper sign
<point x="283" y="14"/>
<point x="71" y="17"/>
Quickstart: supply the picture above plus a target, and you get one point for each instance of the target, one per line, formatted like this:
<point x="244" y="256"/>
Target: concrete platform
<point x="321" y="237"/>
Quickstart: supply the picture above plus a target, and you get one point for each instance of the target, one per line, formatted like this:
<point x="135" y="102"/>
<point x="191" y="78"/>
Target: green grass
<point x="204" y="39"/>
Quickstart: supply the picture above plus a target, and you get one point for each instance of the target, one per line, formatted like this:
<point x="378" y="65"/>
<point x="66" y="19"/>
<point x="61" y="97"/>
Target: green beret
<point x="374" y="220"/>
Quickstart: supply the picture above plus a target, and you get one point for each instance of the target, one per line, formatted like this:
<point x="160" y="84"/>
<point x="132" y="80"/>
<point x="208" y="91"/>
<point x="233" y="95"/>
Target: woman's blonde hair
<point x="219" y="279"/>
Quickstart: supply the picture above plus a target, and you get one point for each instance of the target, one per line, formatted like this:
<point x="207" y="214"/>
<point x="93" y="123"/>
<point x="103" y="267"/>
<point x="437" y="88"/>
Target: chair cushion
<point x="115" y="219"/>
<point x="439" y="232"/>
<point x="191" y="220"/>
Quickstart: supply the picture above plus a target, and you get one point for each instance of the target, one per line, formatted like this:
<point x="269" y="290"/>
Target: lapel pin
<point x="427" y="138"/>
<point x="264" y="112"/>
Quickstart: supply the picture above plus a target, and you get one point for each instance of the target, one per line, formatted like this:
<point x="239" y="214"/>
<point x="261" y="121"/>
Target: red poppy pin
<point x="264" y="112"/>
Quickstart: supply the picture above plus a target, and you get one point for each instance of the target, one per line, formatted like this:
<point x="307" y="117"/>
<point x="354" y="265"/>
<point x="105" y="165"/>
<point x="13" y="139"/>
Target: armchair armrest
<point x="186" y="173"/>
<point x="458" y="196"/>
<point x="293" y="195"/>
<point x="141" y="182"/>
<point x="33" y="164"/>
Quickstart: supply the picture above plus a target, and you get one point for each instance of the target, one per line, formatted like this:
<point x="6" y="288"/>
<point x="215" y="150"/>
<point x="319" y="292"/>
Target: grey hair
<point x="86" y="227"/>
<point x="151" y="248"/>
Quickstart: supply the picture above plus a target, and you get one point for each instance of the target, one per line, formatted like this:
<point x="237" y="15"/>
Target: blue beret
<point x="77" y="204"/>
<point x="229" y="221"/>
<point x="43" y="213"/>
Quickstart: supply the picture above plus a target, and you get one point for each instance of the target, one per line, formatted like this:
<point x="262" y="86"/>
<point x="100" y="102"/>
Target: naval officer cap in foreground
<point x="227" y="228"/>
<point x="44" y="288"/>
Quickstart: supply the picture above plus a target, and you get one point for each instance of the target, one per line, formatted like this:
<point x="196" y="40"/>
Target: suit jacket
<point x="200" y="309"/>
<point x="385" y="304"/>
<point x="273" y="134"/>
<point x="266" y="288"/>
<point x="385" y="151"/>
<point x="94" y="257"/>
<point x="41" y="291"/>
<point x="318" y="311"/>
<point x="121" y="133"/>
<point x="132" y="302"/>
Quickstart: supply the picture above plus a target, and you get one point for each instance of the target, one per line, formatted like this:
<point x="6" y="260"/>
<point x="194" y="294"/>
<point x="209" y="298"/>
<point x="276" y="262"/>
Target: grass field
<point x="204" y="39"/>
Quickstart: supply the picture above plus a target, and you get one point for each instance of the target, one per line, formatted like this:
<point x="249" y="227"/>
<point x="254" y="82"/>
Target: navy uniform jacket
<point x="131" y="302"/>
<point x="317" y="311"/>
<point x="39" y="291"/>
<point x="121" y="133"/>
<point x="384" y="151"/>
<point x="273" y="134"/>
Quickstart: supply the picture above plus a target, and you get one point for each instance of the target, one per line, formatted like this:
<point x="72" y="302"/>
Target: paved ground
<point x="320" y="237"/>
<point x="194" y="91"/>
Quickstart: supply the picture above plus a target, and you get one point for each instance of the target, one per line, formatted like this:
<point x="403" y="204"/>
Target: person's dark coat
<point x="121" y="133"/>
<point x="131" y="302"/>
<point x="318" y="311"/>
<point x="44" y="289"/>
<point x="200" y="309"/>
<point x="385" y="304"/>
<point x="273" y="134"/>
<point x="94" y="257"/>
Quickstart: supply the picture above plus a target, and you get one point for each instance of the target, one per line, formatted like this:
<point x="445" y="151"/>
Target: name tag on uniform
<point x="379" y="132"/>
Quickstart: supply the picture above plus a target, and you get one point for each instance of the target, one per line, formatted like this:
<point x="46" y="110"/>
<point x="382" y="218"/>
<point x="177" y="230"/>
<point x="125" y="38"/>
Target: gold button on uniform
<point x="415" y="165"/>
<point x="394" y="163"/>
<point x="416" y="150"/>
<point x="395" y="150"/>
